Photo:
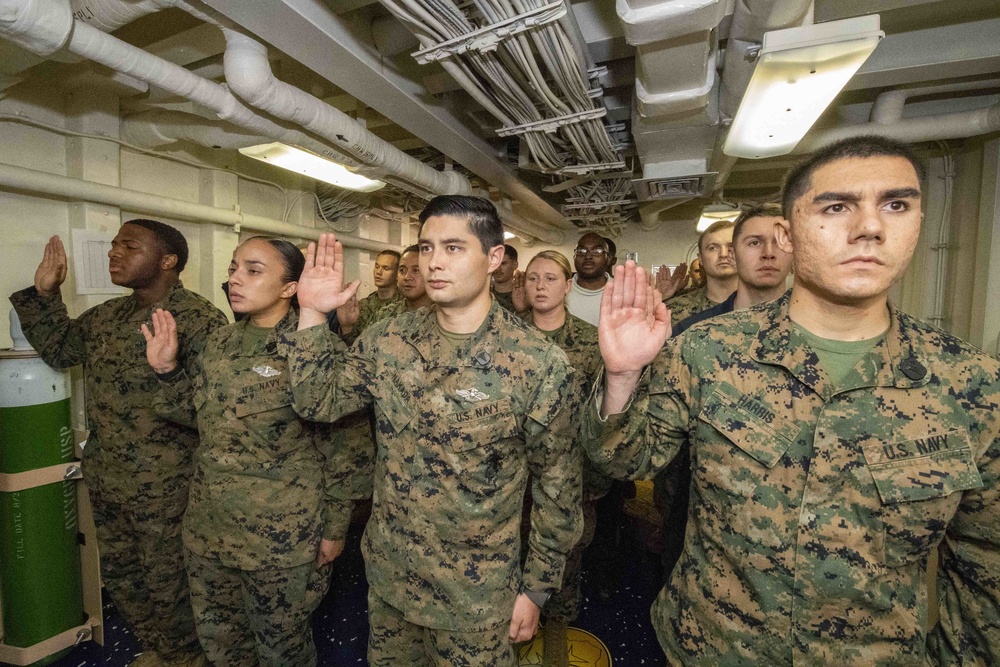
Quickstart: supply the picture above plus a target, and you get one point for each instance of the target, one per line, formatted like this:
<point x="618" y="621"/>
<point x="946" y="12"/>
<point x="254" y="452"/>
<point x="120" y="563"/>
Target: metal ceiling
<point x="355" y="56"/>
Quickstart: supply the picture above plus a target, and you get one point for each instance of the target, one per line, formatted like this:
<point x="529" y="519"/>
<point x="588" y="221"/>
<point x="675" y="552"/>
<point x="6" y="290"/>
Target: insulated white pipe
<point x="649" y="213"/>
<point x="888" y="107"/>
<point x="40" y="26"/>
<point x="108" y="15"/>
<point x="153" y="129"/>
<point x="520" y="224"/>
<point x="249" y="75"/>
<point x="54" y="185"/>
<point x="914" y="130"/>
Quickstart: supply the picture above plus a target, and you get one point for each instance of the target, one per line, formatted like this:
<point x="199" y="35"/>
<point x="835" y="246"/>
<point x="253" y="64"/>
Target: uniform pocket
<point x="739" y="440"/>
<point x="919" y="483"/>
<point x="749" y="424"/>
<point x="485" y="423"/>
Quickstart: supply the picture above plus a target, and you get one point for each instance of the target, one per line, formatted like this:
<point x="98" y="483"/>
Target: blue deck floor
<point x="341" y="622"/>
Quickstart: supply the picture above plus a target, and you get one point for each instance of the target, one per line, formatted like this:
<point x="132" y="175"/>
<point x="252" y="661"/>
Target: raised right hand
<point x="671" y="283"/>
<point x="161" y="343"/>
<point x="51" y="273"/>
<point x="634" y="323"/>
<point x="520" y="295"/>
<point x="321" y="286"/>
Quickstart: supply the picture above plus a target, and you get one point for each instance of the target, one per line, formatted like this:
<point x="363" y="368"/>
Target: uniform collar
<point x="288" y="324"/>
<point x="477" y="351"/>
<point x="898" y="360"/>
<point x="171" y="297"/>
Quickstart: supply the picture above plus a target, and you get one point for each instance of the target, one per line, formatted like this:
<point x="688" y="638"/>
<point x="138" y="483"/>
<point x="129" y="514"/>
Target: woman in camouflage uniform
<point x="546" y="282"/>
<point x="260" y="530"/>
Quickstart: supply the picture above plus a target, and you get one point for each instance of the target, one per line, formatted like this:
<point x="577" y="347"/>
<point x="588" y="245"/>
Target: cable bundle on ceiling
<point x="531" y="76"/>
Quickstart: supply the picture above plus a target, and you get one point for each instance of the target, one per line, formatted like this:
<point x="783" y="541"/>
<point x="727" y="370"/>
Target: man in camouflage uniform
<point x="384" y="274"/>
<point x="468" y="402"/>
<point x="835" y="443"/>
<point x="763" y="269"/>
<point x="410" y="284"/>
<point x="503" y="278"/>
<point x="137" y="465"/>
<point x="715" y="254"/>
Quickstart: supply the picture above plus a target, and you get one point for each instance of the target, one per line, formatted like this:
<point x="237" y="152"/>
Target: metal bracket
<point x="487" y="38"/>
<point x="552" y="124"/>
<point x="598" y="204"/>
<point x="589" y="168"/>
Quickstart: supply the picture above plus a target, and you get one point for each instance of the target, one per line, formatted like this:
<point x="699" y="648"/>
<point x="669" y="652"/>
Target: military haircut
<point x="171" y="241"/>
<point x="712" y="228"/>
<point x="510" y="251"/>
<point x="612" y="247"/>
<point x="408" y="249"/>
<point x="484" y="221"/>
<point x="391" y="253"/>
<point x="291" y="256"/>
<point x="798" y="180"/>
<point x="558" y="258"/>
<point x="757" y="211"/>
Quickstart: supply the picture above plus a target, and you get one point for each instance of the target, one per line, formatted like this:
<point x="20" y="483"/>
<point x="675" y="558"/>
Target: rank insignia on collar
<point x="472" y="395"/>
<point x="266" y="371"/>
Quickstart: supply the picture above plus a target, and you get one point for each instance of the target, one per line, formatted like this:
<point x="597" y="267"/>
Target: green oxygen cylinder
<point x="41" y="590"/>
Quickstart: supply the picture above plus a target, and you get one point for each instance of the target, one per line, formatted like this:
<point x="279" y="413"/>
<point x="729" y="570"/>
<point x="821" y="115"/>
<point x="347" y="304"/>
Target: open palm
<point x="321" y="286"/>
<point x="634" y="323"/>
<point x="161" y="342"/>
<point x="51" y="272"/>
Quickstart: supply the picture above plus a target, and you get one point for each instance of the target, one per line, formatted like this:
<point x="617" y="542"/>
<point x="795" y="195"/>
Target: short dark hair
<point x="757" y="211"/>
<point x="612" y="248"/>
<point x="484" y="221"/>
<point x="510" y="251"/>
<point x="798" y="179"/>
<point x="291" y="256"/>
<point x="717" y="226"/>
<point x="393" y="253"/>
<point x="408" y="249"/>
<point x="171" y="241"/>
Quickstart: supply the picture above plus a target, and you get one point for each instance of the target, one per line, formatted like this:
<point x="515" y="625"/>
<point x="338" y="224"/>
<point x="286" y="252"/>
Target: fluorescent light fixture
<point x="799" y="72"/>
<point x="507" y="236"/>
<point x="311" y="165"/>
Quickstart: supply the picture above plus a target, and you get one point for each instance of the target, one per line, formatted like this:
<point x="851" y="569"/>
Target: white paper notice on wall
<point x="90" y="262"/>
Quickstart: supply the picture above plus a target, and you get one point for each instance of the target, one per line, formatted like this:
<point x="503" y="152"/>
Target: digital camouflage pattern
<point x="370" y="306"/>
<point x="393" y="642"/>
<point x="814" y="508"/>
<point x="683" y="306"/>
<point x="506" y="299"/>
<point x="137" y="465"/>
<point x="393" y="309"/>
<point x="578" y="339"/>
<point x="256" y="617"/>
<point x="261" y="494"/>
<point x="459" y="428"/>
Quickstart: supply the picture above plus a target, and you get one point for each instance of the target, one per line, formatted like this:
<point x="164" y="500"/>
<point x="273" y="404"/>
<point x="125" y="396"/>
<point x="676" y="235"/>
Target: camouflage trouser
<point x="395" y="642"/>
<point x="256" y="617"/>
<point x="564" y="605"/>
<point x="142" y="566"/>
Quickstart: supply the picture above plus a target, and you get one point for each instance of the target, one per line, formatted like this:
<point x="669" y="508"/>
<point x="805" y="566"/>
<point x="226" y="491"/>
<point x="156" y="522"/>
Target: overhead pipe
<point x="519" y="223"/>
<point x="888" y="106"/>
<point x="90" y="43"/>
<point x="160" y="127"/>
<point x="248" y="73"/>
<point x="649" y="214"/>
<point x="54" y="185"/>
<point x="31" y="24"/>
<point x="958" y="125"/>
<point x="109" y="15"/>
